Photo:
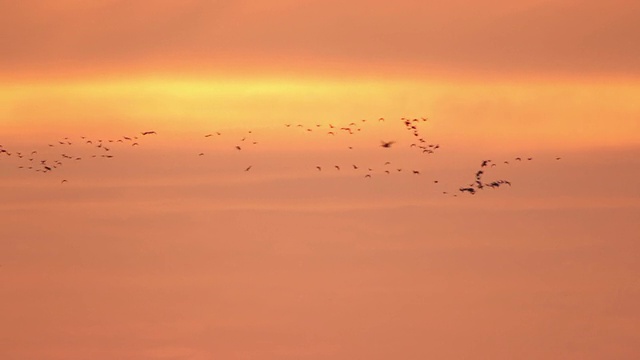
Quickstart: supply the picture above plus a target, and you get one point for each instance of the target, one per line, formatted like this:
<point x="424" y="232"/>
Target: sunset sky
<point x="172" y="249"/>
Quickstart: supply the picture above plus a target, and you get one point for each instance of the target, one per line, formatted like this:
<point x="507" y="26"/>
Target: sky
<point x="311" y="241"/>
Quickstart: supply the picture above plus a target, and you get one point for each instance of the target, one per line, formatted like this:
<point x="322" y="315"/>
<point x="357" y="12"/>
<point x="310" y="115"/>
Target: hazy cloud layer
<point x="489" y="36"/>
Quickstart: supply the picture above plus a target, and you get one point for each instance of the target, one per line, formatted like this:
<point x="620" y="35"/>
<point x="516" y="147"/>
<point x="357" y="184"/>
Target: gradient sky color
<point x="160" y="253"/>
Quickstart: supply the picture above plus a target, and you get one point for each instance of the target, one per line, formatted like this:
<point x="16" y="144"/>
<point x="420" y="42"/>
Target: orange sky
<point x="495" y="37"/>
<point x="162" y="253"/>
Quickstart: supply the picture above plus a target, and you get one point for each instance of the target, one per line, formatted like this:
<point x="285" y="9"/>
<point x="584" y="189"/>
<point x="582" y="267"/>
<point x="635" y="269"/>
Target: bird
<point x="337" y="167"/>
<point x="248" y="168"/>
<point x="319" y="168"/>
<point x="201" y="154"/>
<point x="470" y="190"/>
<point x="386" y="144"/>
<point x="63" y="181"/>
<point x="149" y="133"/>
<point x="238" y="147"/>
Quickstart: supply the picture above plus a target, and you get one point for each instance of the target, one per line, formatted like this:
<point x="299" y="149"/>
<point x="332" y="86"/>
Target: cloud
<point x="533" y="36"/>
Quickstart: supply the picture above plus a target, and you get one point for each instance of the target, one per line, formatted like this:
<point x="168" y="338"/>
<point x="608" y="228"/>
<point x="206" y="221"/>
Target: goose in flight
<point x="149" y="133"/>
<point x="386" y="144"/>
<point x="470" y="190"/>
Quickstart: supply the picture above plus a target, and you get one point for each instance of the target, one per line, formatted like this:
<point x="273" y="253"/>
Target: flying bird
<point x="149" y="133"/>
<point x="470" y="190"/>
<point x="386" y="144"/>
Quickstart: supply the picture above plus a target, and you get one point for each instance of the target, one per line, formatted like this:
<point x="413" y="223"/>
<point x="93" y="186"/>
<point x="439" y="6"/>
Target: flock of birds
<point x="103" y="149"/>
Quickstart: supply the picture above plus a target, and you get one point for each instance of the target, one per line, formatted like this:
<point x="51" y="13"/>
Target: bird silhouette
<point x="470" y="190"/>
